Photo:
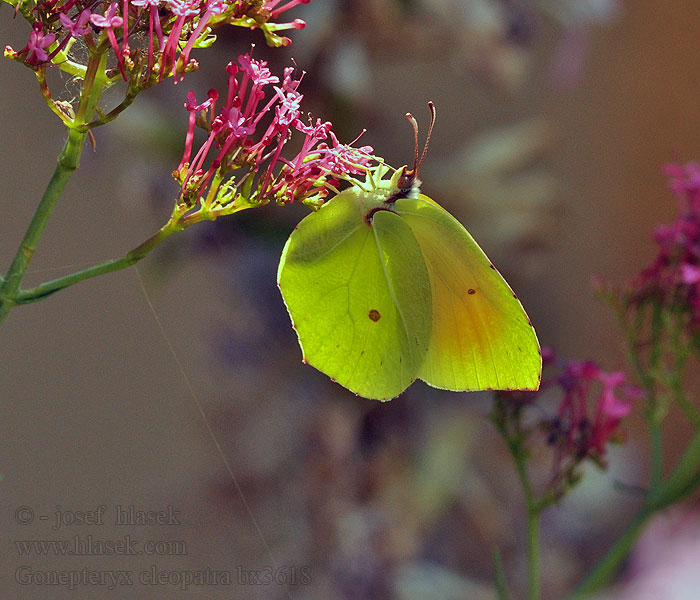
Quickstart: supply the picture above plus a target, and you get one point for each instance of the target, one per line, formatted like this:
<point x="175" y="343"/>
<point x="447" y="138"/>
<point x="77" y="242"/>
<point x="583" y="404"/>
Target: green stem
<point x="68" y="162"/>
<point x="115" y="112"/>
<point x="657" y="450"/>
<point x="533" y="523"/>
<point x="653" y="415"/>
<point x="133" y="256"/>
<point x="515" y="441"/>
<point x="533" y="553"/>
<point x="678" y="483"/>
<point x="500" y="577"/>
<point x="690" y="411"/>
<point x="684" y="479"/>
<point x="608" y="566"/>
<point x="178" y="221"/>
<point x="93" y="85"/>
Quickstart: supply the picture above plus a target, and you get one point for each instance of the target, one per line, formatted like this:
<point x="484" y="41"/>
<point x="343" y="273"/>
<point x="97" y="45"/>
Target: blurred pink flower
<point x="589" y="417"/>
<point x="673" y="278"/>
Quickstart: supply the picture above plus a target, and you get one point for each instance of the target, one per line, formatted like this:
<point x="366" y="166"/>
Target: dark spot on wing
<point x="471" y="291"/>
<point x="374" y="315"/>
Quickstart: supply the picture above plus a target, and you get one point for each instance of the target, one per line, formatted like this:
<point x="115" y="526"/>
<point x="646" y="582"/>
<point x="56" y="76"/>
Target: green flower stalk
<point x="659" y="313"/>
<point x="587" y="420"/>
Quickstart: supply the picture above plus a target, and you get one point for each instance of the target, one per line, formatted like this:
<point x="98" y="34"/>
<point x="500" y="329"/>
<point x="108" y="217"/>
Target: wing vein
<point x="338" y="243"/>
<point x="393" y="297"/>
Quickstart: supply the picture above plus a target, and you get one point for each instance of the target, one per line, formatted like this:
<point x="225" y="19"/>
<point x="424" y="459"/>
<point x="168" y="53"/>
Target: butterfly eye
<point x="405" y="183"/>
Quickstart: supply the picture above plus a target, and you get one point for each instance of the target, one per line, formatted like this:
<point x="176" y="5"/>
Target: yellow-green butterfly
<point x="384" y="287"/>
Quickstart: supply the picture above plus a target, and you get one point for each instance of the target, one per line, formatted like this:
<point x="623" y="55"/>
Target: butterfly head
<point x="406" y="182"/>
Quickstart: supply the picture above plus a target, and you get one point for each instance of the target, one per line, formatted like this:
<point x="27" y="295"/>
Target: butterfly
<point x="384" y="286"/>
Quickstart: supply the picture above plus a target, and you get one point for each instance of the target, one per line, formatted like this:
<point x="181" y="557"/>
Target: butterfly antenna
<point x="414" y="124"/>
<point x="433" y="114"/>
<point x="409" y="177"/>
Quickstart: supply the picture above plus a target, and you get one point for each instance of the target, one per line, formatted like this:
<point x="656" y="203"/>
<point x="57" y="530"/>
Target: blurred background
<point x="554" y="119"/>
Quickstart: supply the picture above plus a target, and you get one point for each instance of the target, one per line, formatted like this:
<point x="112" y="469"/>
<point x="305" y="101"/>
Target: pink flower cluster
<point x="591" y="405"/>
<point x="589" y="416"/>
<point x="149" y="38"/>
<point x="673" y="279"/>
<point x="250" y="131"/>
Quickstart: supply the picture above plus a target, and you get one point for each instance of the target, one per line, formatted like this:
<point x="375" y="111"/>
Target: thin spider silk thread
<point x="198" y="404"/>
